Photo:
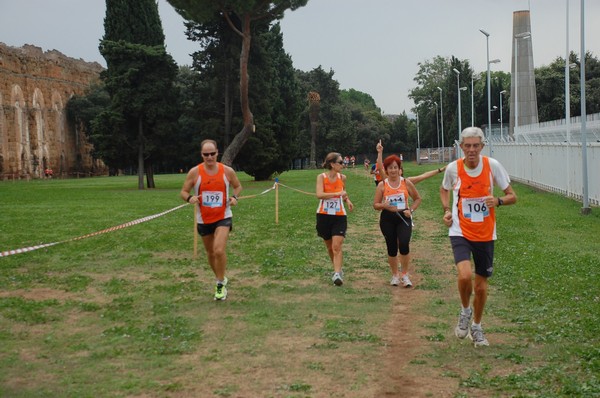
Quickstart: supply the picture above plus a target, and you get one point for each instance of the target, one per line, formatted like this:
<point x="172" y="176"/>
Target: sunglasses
<point x="209" y="154"/>
<point x="339" y="162"/>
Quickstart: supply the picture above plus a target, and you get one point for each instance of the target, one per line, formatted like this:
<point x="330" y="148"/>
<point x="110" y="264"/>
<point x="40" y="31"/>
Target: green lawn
<point x="130" y="312"/>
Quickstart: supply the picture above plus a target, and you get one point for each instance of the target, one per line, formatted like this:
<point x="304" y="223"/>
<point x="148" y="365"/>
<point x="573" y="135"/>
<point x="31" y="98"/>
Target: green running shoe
<point x="220" y="292"/>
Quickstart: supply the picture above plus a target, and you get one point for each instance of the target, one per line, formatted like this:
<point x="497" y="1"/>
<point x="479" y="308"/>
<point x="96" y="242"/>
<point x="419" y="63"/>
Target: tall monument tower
<point x="523" y="99"/>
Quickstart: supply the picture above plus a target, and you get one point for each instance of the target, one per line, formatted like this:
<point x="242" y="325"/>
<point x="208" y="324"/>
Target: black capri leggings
<point x="397" y="231"/>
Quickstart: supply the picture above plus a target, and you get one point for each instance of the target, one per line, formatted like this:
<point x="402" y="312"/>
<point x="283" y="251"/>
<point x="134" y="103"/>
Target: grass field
<point x="130" y="313"/>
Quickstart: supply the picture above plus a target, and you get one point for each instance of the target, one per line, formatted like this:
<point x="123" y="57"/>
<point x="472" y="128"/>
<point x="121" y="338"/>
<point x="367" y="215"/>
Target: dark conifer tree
<point x="140" y="81"/>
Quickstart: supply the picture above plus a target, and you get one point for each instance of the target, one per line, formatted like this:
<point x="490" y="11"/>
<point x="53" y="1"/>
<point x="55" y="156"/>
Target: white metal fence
<point x="541" y="156"/>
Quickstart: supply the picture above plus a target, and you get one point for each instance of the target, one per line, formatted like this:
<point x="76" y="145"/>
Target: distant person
<point x="413" y="179"/>
<point x="332" y="221"/>
<point x="472" y="223"/>
<point x="376" y="173"/>
<point x="215" y="188"/>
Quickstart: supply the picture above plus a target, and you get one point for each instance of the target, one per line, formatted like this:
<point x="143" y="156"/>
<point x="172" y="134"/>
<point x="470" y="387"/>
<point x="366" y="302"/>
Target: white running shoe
<point x="462" y="328"/>
<point x="337" y="279"/>
<point x="406" y="281"/>
<point x="478" y="337"/>
<point x="395" y="280"/>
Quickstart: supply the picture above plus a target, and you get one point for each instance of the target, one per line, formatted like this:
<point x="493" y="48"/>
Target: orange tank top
<point x="213" y="194"/>
<point x="397" y="196"/>
<point x="332" y="206"/>
<point x="477" y="221"/>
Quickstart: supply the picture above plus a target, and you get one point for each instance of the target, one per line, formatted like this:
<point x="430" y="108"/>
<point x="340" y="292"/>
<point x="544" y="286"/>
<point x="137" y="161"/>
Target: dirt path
<point x="405" y="375"/>
<point x="405" y="369"/>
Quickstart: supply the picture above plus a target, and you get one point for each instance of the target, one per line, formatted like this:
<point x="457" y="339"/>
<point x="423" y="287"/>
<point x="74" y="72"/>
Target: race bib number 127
<point x="332" y="206"/>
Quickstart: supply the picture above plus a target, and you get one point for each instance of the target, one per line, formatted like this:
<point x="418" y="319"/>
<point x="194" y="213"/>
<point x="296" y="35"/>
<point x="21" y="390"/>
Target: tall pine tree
<point x="240" y="16"/>
<point x="140" y="79"/>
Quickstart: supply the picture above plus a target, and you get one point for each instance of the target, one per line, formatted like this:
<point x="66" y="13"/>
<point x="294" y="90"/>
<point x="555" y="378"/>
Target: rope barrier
<point x="258" y="194"/>
<point x="111" y="229"/>
<point x="298" y="190"/>
<point x="275" y="188"/>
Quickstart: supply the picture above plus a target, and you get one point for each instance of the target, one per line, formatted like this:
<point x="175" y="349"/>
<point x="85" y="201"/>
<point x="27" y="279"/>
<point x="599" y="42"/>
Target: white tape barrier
<point x="122" y="226"/>
<point x="129" y="224"/>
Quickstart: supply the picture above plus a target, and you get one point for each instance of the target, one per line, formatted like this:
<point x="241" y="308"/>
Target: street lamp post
<point x="437" y="124"/>
<point x="418" y="139"/>
<point x="518" y="36"/>
<point x="458" y="95"/>
<point x="473" y="78"/>
<point x="568" y="67"/>
<point x="442" y="120"/>
<point x="501" y="126"/>
<point x="489" y="98"/>
<point x="489" y="93"/>
<point x="586" y="200"/>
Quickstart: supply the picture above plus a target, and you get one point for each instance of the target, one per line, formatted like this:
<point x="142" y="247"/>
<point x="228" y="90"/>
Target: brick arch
<point x="19" y="157"/>
<point x="23" y="132"/>
<point x="39" y="138"/>
<point x="60" y="127"/>
<point x="3" y="137"/>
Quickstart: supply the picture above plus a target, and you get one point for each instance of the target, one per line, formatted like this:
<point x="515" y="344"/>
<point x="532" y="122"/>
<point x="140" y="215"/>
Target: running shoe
<point x="462" y="328"/>
<point x="337" y="279"/>
<point x="220" y="291"/>
<point x="395" y="280"/>
<point x="478" y="337"/>
<point x="406" y="281"/>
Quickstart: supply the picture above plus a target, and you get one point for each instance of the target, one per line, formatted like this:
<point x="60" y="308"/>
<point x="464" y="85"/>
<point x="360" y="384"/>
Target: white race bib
<point x="397" y="200"/>
<point x="475" y="209"/>
<point x="332" y="206"/>
<point x="212" y="198"/>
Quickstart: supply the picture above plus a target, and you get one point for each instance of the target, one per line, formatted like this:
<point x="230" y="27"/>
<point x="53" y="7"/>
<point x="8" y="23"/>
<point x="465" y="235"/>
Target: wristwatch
<point x="500" y="202"/>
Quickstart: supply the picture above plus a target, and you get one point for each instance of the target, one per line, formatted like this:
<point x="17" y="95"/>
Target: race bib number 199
<point x="212" y="198"/>
<point x="475" y="209"/>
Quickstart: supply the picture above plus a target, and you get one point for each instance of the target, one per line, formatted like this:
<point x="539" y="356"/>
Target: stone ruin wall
<point x="35" y="87"/>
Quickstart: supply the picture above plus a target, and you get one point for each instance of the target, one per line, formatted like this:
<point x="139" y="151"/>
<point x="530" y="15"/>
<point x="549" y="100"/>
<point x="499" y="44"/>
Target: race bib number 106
<point x="475" y="209"/>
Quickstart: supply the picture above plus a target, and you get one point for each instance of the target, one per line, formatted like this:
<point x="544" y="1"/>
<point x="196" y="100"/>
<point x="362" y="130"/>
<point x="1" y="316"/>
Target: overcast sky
<point x="373" y="46"/>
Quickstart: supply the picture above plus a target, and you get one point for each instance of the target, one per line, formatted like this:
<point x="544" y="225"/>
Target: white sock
<point x="476" y="325"/>
<point x="466" y="310"/>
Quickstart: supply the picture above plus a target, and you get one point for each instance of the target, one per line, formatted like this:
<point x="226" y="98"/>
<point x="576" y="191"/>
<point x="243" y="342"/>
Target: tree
<point x="366" y="119"/>
<point x="430" y="76"/>
<point x="439" y="73"/>
<point x="218" y="71"/>
<point x="550" y="87"/>
<point x="239" y="14"/>
<point x="81" y="112"/>
<point x="399" y="140"/>
<point x="278" y="104"/>
<point x="139" y="79"/>
<point x="336" y="131"/>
